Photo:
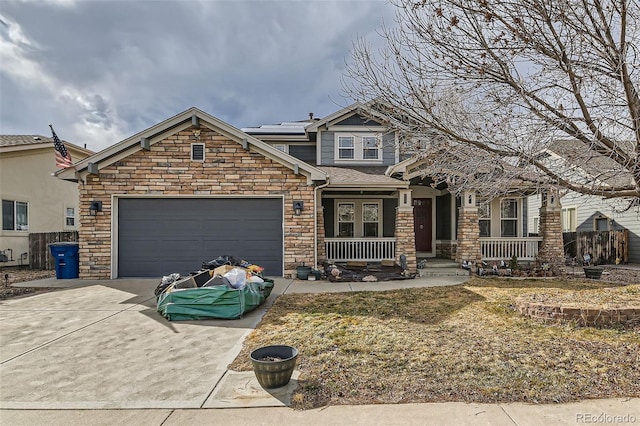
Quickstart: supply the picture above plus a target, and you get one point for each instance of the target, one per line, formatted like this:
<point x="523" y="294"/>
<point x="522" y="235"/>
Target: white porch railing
<point x="523" y="248"/>
<point x="369" y="249"/>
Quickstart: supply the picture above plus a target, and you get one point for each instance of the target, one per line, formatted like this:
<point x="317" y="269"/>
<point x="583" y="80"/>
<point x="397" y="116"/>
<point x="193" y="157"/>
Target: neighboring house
<point x="33" y="200"/>
<point x="192" y="188"/>
<point x="582" y="213"/>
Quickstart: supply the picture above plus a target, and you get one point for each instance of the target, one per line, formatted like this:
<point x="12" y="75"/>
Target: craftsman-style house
<point x="192" y="188"/>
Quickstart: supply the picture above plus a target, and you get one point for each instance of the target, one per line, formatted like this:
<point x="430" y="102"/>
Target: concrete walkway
<point x="97" y="352"/>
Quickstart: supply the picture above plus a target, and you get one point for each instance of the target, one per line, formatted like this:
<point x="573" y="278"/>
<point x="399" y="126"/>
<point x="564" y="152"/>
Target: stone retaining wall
<point x="584" y="317"/>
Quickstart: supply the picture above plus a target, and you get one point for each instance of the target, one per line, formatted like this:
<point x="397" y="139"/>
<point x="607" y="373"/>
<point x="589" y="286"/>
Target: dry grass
<point x="457" y="343"/>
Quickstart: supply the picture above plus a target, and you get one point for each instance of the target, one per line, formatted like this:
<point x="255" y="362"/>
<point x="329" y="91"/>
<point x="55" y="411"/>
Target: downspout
<point x="315" y="221"/>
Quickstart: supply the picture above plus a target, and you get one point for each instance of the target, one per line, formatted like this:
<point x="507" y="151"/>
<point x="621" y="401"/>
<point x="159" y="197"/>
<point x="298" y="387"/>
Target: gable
<point x="357" y="120"/>
<point x="191" y="118"/>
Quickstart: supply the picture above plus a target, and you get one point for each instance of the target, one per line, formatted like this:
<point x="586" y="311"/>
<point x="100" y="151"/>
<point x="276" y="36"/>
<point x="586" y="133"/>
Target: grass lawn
<point x="456" y="343"/>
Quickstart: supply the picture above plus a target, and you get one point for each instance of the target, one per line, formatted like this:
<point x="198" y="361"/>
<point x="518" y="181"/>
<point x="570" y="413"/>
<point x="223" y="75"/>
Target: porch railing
<point x="523" y="248"/>
<point x="369" y="249"/>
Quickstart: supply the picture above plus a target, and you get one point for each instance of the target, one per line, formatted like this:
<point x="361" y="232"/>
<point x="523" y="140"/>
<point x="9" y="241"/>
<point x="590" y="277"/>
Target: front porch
<point x="378" y="249"/>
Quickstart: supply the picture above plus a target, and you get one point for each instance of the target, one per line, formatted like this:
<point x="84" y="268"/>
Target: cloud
<point x="105" y="71"/>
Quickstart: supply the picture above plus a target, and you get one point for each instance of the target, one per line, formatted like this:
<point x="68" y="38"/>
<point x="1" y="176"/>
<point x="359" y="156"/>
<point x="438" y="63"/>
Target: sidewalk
<point x="97" y="353"/>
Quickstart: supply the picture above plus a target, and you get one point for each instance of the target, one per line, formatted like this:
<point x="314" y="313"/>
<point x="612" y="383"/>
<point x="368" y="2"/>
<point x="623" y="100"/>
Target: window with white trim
<point x="15" y="215"/>
<point x="346" y="219"/>
<point x="370" y="219"/>
<point x="346" y="147"/>
<point x="358" y="147"/>
<point x="569" y="219"/>
<point x="484" y="216"/>
<point x="509" y="217"/>
<point x="281" y="147"/>
<point x="70" y="217"/>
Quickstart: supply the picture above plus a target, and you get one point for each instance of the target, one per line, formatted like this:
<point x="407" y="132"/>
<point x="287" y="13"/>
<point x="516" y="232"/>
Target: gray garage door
<point x="160" y="236"/>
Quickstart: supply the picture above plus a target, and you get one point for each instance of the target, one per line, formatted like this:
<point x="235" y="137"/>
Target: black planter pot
<point x="274" y="365"/>
<point x="593" y="272"/>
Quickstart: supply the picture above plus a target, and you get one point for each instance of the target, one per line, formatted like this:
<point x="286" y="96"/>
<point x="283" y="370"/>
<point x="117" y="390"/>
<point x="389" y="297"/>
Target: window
<point x="346" y="147"/>
<point x="358" y="147"/>
<point x="70" y="216"/>
<point x="197" y="151"/>
<point x="370" y="149"/>
<point x="509" y="218"/>
<point x="569" y="220"/>
<point x="484" y="214"/>
<point x="346" y="219"/>
<point x="602" y="223"/>
<point x="15" y="215"/>
<point x="370" y="219"/>
<point x="280" y="146"/>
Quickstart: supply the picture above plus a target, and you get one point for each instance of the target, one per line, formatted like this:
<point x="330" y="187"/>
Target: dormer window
<point x="353" y="147"/>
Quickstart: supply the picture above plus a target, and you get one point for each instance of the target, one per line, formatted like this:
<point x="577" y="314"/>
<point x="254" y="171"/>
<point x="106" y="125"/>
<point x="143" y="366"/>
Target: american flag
<point x="63" y="157"/>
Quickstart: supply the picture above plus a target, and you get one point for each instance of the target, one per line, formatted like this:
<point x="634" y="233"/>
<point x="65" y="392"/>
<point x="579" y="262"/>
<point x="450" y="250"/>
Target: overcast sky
<point x="102" y="70"/>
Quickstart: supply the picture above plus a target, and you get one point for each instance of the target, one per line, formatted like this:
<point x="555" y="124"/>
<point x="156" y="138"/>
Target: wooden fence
<point x="39" y="254"/>
<point x="605" y="247"/>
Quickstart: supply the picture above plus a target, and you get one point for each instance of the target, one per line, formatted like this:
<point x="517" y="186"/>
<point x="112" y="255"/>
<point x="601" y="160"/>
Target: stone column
<point x="468" y="247"/>
<point x="552" y="248"/>
<point x="322" y="255"/>
<point x="404" y="232"/>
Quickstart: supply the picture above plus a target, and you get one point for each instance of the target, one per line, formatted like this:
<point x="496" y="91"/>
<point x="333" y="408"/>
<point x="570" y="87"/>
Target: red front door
<point x="422" y="216"/>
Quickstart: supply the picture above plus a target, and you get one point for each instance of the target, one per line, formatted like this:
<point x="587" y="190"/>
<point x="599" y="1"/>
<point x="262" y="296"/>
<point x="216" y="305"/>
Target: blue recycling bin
<point x="67" y="259"/>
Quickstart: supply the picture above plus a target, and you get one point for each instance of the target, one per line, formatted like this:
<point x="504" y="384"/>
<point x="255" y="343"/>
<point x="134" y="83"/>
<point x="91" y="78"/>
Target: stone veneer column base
<point x="468" y="247"/>
<point x="406" y="238"/>
<point x="552" y="248"/>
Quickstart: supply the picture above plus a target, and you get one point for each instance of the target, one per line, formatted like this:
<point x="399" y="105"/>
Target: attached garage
<point x="159" y="236"/>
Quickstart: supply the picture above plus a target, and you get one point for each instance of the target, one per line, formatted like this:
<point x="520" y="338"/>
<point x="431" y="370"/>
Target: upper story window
<point x="15" y="215"/>
<point x="509" y="217"/>
<point x="282" y="147"/>
<point x="70" y="217"/>
<point x="355" y="147"/>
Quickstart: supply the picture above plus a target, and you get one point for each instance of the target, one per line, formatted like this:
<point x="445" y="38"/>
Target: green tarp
<point x="219" y="301"/>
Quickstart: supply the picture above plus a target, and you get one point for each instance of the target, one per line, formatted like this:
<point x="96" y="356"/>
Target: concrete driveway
<point x="102" y="344"/>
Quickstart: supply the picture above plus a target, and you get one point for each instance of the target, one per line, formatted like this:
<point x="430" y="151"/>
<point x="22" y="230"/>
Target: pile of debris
<point x="387" y="270"/>
<point x="224" y="288"/>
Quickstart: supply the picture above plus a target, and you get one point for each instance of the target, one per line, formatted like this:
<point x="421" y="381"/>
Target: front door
<point x="422" y="216"/>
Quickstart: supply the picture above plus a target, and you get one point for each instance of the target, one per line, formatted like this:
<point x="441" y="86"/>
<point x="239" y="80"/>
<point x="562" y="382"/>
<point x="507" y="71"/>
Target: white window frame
<point x="339" y="219"/>
<point x="358" y="223"/>
<point x="358" y="149"/>
<point x="569" y="218"/>
<point x="480" y="202"/>
<point x="23" y="227"/>
<point x="71" y="216"/>
<point x="511" y="219"/>
<point x="377" y="222"/>
<point x="281" y="146"/>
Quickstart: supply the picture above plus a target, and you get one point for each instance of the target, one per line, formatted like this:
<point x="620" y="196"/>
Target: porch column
<point x="468" y="230"/>
<point x="404" y="232"/>
<point x="322" y="254"/>
<point x="552" y="247"/>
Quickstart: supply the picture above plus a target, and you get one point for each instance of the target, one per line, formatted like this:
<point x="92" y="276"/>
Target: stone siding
<point x="167" y="170"/>
<point x="446" y="249"/>
<point x="406" y="237"/>
<point x="468" y="247"/>
<point x="551" y="249"/>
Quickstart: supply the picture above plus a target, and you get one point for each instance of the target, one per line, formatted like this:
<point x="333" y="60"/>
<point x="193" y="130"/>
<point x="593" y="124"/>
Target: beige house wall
<point x="26" y="175"/>
<point x="166" y="170"/>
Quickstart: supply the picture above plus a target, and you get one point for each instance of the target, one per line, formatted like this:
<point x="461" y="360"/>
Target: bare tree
<point x="531" y="90"/>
